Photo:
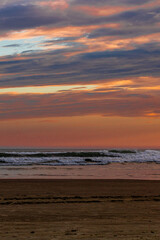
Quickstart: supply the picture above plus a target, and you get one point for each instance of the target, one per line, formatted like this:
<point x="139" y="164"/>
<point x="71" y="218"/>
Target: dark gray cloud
<point x="12" y="45"/>
<point x="53" y="68"/>
<point x="124" y="32"/>
<point x="20" y="17"/>
<point x="110" y="2"/>
<point x="62" y="39"/>
<point x="139" y="16"/>
<point x="63" y="42"/>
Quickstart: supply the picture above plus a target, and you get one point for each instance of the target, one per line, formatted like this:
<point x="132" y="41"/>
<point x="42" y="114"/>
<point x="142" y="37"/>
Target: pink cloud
<point x="59" y="4"/>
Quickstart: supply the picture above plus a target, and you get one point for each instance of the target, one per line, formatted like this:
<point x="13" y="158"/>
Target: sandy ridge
<point x="75" y="199"/>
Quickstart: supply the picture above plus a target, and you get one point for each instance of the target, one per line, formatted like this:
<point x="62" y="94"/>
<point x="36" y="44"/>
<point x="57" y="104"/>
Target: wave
<point x="81" y="157"/>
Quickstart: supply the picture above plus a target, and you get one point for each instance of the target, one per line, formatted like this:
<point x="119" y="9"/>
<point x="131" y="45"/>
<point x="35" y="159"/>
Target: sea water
<point x="80" y="164"/>
<point x="76" y="157"/>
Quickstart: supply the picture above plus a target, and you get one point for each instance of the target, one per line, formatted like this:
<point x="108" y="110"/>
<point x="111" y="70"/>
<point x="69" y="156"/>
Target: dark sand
<point x="79" y="209"/>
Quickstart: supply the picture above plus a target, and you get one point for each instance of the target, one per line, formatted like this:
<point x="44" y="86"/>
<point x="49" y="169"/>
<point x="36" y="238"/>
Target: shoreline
<point x="139" y="171"/>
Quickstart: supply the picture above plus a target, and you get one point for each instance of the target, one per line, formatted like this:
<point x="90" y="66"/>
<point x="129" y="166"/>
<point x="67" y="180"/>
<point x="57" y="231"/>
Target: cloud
<point x="20" y="17"/>
<point x="139" y="16"/>
<point x="53" y="68"/>
<point x="124" y="32"/>
<point x="119" y="102"/>
<point x="12" y="45"/>
<point x="109" y="2"/>
<point x="110" y="40"/>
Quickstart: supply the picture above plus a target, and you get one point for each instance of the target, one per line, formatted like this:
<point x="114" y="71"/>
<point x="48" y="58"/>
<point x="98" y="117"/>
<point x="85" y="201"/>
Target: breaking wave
<point x="81" y="157"/>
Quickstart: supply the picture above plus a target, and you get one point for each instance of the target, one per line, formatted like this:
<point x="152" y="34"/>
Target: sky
<point x="80" y="73"/>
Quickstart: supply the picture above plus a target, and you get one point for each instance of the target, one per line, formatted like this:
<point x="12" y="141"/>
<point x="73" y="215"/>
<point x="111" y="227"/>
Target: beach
<point x="137" y="171"/>
<point x="79" y="120"/>
<point x="79" y="209"/>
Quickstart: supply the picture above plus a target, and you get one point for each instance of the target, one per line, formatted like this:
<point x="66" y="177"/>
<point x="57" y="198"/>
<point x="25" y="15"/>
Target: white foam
<point x="22" y="158"/>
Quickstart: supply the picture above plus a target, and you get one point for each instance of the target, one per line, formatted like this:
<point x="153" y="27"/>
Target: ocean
<point x="76" y="157"/>
<point x="80" y="164"/>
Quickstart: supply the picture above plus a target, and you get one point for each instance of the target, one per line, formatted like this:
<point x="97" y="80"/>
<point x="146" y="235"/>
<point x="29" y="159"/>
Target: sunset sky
<point x="80" y="73"/>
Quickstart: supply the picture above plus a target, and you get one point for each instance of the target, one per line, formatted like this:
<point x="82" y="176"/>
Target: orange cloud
<point x="59" y="4"/>
<point x="102" y="11"/>
<point x="108" y="10"/>
<point x="151" y="4"/>
<point x="108" y="43"/>
<point x="53" y="32"/>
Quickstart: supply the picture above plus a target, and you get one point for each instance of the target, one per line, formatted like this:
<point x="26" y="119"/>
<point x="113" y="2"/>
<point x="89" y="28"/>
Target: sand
<point x="141" y="171"/>
<point x="79" y="209"/>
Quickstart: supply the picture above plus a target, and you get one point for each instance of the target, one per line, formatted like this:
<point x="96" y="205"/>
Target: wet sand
<point x="79" y="209"/>
<point x="139" y="171"/>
